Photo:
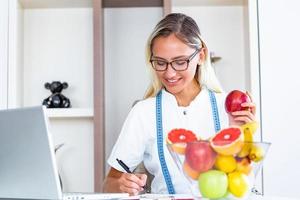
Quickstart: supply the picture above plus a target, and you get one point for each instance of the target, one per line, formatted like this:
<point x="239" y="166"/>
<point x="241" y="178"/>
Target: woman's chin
<point x="173" y="90"/>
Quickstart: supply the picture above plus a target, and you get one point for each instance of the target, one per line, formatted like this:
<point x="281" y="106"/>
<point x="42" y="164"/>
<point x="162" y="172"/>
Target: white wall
<point x="3" y="52"/>
<point x="280" y="82"/>
<point x="126" y="77"/>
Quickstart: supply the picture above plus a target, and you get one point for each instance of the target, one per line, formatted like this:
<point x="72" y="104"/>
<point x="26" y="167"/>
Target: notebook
<point x="28" y="167"/>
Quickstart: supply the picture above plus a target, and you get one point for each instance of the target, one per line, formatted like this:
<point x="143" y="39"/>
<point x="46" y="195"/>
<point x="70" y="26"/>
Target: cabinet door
<point x="279" y="52"/>
<point x="3" y="52"/>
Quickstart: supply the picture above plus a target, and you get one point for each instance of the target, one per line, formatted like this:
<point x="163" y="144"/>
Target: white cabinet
<point x="53" y="41"/>
<point x="279" y="50"/>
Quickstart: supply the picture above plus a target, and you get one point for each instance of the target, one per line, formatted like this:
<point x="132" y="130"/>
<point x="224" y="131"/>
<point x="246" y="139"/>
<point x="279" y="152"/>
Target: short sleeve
<point x="132" y="141"/>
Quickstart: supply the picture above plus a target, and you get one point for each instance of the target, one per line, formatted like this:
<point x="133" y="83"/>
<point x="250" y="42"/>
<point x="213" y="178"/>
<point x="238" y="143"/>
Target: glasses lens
<point x="179" y="64"/>
<point x="159" y="65"/>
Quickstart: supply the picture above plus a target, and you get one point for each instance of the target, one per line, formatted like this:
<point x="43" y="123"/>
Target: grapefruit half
<point x="228" y="141"/>
<point x="179" y="137"/>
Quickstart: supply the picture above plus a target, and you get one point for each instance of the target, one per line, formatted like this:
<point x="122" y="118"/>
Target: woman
<point x="184" y="93"/>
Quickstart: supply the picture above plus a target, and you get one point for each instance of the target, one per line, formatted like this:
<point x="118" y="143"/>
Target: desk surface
<point x="165" y="197"/>
<point x="272" y="198"/>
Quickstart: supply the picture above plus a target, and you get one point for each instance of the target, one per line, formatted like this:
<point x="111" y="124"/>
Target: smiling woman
<point x="183" y="81"/>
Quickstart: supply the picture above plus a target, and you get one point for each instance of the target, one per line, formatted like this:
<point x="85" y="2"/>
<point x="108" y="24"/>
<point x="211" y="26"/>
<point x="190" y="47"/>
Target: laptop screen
<point x="27" y="161"/>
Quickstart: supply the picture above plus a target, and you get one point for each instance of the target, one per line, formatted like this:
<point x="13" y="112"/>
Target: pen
<point x="124" y="166"/>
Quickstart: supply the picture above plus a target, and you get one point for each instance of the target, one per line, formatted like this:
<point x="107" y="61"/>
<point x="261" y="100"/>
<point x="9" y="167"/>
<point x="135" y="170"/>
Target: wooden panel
<point x="167" y="7"/>
<point x="99" y="158"/>
<point x="132" y="3"/>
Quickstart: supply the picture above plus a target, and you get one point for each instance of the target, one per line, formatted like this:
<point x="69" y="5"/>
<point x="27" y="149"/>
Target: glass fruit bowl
<point x="219" y="170"/>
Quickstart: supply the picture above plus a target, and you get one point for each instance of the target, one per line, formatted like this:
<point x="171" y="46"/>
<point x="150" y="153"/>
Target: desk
<point x="188" y="197"/>
<point x="271" y="198"/>
<point x="164" y="197"/>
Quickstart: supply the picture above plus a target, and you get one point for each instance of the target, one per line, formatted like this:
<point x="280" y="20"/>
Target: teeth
<point x="172" y="81"/>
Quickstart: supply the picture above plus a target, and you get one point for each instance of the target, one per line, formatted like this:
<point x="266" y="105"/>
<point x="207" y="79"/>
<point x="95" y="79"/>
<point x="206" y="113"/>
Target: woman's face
<point x="168" y="49"/>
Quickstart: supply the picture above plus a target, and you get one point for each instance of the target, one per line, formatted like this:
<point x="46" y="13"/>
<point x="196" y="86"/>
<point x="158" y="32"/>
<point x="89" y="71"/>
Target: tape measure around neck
<point x="160" y="145"/>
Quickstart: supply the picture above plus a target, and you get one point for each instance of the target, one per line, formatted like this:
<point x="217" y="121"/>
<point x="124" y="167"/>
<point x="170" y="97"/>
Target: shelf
<point x="31" y="4"/>
<point x="208" y="2"/>
<point x="70" y="112"/>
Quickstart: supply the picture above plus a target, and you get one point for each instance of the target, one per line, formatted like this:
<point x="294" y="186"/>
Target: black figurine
<point x="56" y="100"/>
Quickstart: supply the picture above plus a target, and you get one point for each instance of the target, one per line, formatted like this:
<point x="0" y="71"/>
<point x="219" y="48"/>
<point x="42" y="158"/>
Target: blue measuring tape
<point x="214" y="108"/>
<point x="160" y="147"/>
<point x="159" y="132"/>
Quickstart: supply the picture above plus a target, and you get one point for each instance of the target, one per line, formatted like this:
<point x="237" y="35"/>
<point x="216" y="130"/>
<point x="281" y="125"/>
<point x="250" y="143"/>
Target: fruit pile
<point x="222" y="165"/>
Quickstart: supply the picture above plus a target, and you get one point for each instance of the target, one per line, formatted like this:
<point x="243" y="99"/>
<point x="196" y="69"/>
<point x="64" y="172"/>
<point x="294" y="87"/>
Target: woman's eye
<point x="179" y="62"/>
<point x="162" y="63"/>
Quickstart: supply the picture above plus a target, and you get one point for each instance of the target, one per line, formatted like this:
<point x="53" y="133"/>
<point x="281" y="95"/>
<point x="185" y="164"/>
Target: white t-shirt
<point x="137" y="140"/>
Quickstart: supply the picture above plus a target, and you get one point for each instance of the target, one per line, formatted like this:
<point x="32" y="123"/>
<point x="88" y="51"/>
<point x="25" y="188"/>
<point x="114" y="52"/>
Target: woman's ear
<point x="202" y="56"/>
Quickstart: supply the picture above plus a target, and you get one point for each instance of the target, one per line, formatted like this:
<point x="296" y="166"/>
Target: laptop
<point x="28" y="167"/>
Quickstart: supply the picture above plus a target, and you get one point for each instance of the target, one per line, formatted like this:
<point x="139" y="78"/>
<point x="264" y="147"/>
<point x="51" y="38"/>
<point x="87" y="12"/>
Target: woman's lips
<point x="172" y="82"/>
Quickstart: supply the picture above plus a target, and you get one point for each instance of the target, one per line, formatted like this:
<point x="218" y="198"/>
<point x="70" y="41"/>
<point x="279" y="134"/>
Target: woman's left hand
<point x="245" y="116"/>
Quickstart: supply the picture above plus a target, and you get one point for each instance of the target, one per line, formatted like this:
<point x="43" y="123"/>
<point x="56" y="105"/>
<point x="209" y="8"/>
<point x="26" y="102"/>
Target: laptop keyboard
<point x="93" y="196"/>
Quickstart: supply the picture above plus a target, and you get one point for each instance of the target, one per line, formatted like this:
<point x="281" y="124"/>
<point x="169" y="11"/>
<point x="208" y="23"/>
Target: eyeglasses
<point x="177" y="65"/>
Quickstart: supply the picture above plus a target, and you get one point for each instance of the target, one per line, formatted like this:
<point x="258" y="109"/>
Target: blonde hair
<point x="185" y="29"/>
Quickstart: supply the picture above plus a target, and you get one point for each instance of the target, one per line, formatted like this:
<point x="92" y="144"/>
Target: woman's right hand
<point x="117" y="181"/>
<point x="132" y="183"/>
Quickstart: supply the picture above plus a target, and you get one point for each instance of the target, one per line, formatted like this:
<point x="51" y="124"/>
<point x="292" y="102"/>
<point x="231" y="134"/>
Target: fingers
<point x="241" y="117"/>
<point x="143" y="179"/>
<point x="132" y="183"/>
<point x="246" y="114"/>
<point x="251" y="105"/>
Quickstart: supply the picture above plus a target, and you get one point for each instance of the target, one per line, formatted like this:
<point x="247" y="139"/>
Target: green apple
<point x="213" y="184"/>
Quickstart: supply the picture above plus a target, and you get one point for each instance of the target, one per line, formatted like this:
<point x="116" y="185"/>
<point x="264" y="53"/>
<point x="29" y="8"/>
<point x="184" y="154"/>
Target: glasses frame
<point x="188" y="60"/>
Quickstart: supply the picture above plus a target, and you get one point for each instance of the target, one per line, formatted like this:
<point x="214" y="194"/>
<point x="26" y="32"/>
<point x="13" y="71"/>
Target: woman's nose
<point x="170" y="72"/>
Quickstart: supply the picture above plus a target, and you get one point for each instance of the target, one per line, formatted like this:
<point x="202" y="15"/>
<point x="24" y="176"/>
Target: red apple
<point x="200" y="156"/>
<point x="234" y="100"/>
